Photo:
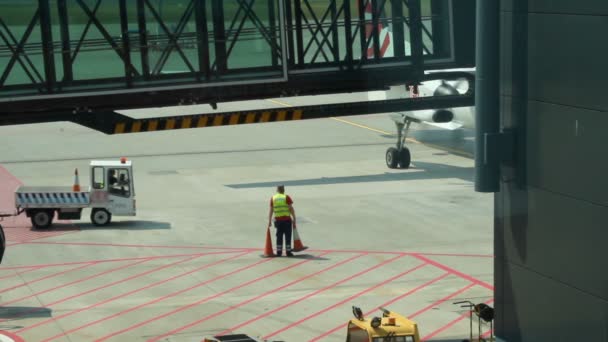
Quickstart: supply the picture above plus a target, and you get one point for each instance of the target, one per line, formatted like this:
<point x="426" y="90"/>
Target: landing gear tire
<point x="392" y="158"/>
<point x="405" y="158"/>
<point x="100" y="217"/>
<point x="42" y="219"/>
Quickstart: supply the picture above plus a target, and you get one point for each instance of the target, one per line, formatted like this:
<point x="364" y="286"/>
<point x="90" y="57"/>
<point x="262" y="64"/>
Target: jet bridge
<point x="81" y="60"/>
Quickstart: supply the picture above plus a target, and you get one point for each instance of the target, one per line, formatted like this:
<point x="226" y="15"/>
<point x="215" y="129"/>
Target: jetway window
<point x="146" y="41"/>
<point x="18" y="20"/>
<point x="437" y="21"/>
<point x="333" y="32"/>
<point x="59" y="47"/>
<point x="253" y="37"/>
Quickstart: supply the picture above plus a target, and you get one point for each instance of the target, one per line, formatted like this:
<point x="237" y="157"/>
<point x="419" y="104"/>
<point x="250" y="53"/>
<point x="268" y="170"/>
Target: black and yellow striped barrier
<point x="205" y="120"/>
<point x="115" y="123"/>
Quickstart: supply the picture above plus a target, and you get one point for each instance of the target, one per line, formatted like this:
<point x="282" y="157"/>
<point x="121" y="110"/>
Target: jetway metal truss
<point x="92" y="56"/>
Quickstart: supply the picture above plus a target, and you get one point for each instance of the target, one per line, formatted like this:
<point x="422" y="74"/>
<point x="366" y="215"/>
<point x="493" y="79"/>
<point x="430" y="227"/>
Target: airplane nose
<point x="445" y="89"/>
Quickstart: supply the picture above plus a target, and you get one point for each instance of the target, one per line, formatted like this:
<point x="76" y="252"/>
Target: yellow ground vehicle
<point x="391" y="327"/>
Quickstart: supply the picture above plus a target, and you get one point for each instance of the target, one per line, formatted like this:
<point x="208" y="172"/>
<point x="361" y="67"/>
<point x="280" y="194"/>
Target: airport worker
<point x="113" y="179"/>
<point x="284" y="219"/>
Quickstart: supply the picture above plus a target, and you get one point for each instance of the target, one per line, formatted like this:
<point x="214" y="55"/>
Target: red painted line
<point x="74" y="282"/>
<point x="54" y="319"/>
<point x="399" y="253"/>
<point x="37" y="237"/>
<point x="252" y="249"/>
<point x="188" y="289"/>
<point x="268" y="313"/>
<point x="30" y="236"/>
<point x="442" y="300"/>
<point x="150" y="302"/>
<point x="486" y="334"/>
<point x="267" y="293"/>
<point x="114" y="260"/>
<point x="11" y="336"/>
<point x="455" y="272"/>
<point x="120" y="281"/>
<point x="457" y="255"/>
<point x="204" y="299"/>
<point x="139" y="246"/>
<point x="9" y="225"/>
<point x="344" y="301"/>
<point x="341" y="326"/>
<point x="449" y="325"/>
<point x="8" y="184"/>
<point x="20" y="273"/>
<point x="47" y="277"/>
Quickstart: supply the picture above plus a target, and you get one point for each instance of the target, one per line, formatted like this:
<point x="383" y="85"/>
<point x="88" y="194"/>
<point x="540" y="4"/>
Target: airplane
<point x="445" y="118"/>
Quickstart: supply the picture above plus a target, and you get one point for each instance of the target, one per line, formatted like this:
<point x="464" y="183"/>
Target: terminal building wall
<point x="551" y="214"/>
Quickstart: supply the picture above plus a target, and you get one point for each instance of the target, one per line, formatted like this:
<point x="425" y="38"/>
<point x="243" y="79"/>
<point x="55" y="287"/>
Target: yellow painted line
<point x="361" y="126"/>
<point x="217" y="121"/>
<point x="449" y="149"/>
<point x="152" y="125"/>
<point x="250" y="118"/>
<point x="170" y="124"/>
<point x="234" y="119"/>
<point x="439" y="147"/>
<point x="374" y="129"/>
<point x="120" y="128"/>
<point x="279" y="103"/>
<point x="136" y="127"/>
<point x="202" y="121"/>
<point x="297" y="115"/>
<point x="186" y="122"/>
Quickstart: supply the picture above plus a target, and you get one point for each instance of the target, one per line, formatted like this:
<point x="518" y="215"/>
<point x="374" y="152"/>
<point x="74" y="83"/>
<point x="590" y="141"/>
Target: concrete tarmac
<point x="189" y="264"/>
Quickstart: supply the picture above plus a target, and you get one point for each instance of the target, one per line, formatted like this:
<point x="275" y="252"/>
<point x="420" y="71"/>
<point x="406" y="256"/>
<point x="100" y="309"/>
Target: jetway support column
<point x="491" y="146"/>
<point x="47" y="42"/>
<point x="66" y="49"/>
<point x="221" y="62"/>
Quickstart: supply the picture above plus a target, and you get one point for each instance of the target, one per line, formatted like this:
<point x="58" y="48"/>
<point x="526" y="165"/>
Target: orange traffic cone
<point x="297" y="243"/>
<point x="268" y="252"/>
<point x="76" y="186"/>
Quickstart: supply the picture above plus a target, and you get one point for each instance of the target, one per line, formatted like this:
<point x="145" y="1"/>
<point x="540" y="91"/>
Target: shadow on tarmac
<point x="420" y="170"/>
<point x="301" y="257"/>
<point x="21" y="312"/>
<point x="194" y="153"/>
<point x="117" y="225"/>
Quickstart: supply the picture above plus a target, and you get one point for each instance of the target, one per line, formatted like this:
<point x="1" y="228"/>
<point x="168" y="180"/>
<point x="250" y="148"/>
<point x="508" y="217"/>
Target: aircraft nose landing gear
<point x="400" y="156"/>
<point x="391" y="157"/>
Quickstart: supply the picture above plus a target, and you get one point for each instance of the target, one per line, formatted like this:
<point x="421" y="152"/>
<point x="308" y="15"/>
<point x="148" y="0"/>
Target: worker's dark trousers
<point x="283" y="230"/>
